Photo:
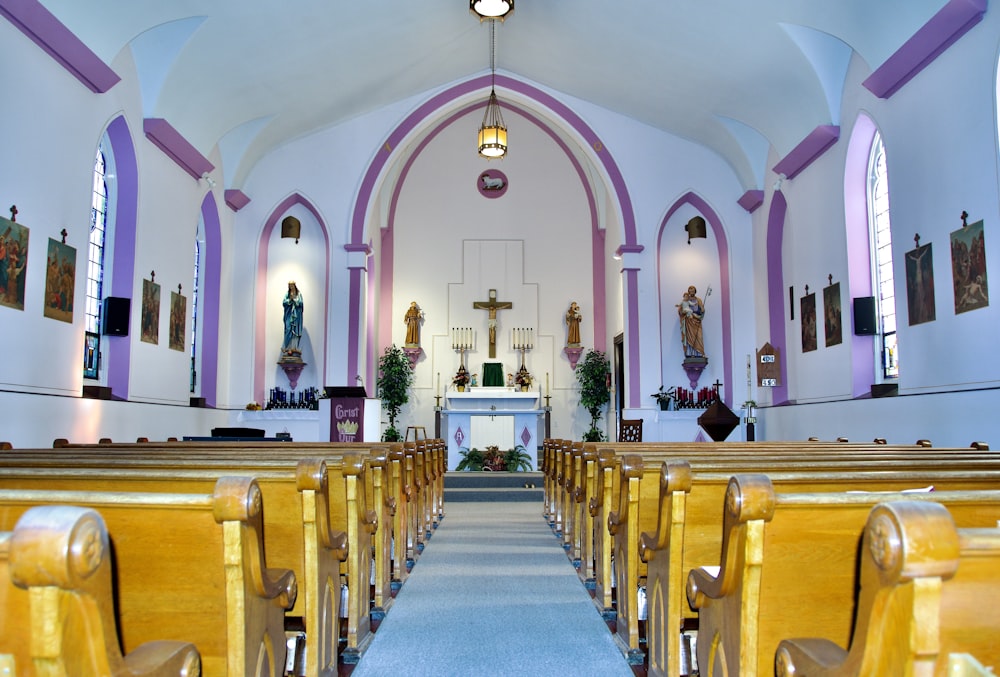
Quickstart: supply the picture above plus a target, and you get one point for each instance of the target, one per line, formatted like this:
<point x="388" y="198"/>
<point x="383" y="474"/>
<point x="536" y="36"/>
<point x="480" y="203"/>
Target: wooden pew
<point x="316" y="523"/>
<point x="926" y="594"/>
<point x="410" y="490"/>
<point x="57" y="611"/>
<point x="788" y="567"/>
<point x="643" y="506"/>
<point x="190" y="567"/>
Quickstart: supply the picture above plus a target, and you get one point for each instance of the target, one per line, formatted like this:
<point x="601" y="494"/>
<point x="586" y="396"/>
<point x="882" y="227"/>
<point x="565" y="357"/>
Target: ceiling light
<point x="491" y="9"/>
<point x="493" y="131"/>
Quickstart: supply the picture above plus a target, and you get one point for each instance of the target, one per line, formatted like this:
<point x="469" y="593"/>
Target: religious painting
<point x="178" y="321"/>
<point x="968" y="268"/>
<point x="920" y="284"/>
<point x="60" y="280"/>
<point x="13" y="263"/>
<point x="150" y="312"/>
<point x="807" y="311"/>
<point x="91" y="354"/>
<point x="832" y="315"/>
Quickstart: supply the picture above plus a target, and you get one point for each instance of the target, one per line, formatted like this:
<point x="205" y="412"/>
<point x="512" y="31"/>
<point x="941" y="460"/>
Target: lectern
<point x="347" y="414"/>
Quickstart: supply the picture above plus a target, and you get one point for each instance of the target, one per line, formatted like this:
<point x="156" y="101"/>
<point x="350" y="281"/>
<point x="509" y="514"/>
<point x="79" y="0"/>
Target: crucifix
<point x="492" y="305"/>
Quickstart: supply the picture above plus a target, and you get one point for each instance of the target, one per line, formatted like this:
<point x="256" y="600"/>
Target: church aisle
<point x="493" y="594"/>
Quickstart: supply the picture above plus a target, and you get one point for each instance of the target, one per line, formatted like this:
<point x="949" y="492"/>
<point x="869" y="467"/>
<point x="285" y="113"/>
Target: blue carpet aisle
<point x="493" y="594"/>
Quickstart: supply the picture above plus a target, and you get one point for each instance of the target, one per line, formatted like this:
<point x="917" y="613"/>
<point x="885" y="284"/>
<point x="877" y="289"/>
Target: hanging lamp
<point x="493" y="130"/>
<point x="491" y="9"/>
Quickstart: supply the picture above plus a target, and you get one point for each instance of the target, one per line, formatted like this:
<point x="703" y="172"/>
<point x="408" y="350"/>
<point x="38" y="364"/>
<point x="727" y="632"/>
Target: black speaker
<point x="116" y="312"/>
<point x="864" y="316"/>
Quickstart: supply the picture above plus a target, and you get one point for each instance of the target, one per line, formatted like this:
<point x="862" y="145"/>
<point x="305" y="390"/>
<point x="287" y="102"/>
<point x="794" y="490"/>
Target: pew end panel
<point x="189" y="568"/>
<point x="56" y="602"/>
<point x="927" y="600"/>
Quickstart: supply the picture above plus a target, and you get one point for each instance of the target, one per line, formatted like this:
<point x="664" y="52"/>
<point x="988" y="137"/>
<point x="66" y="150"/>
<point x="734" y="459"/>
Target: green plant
<point x="592" y="375"/>
<point x="393" y="385"/>
<point x="517" y="459"/>
<point x="664" y="397"/>
<point x="472" y="459"/>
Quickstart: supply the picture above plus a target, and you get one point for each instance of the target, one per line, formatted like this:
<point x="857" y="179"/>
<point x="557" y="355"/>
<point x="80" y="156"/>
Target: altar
<point x="484" y="416"/>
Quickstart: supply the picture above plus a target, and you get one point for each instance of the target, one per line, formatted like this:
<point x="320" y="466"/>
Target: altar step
<point x="486" y="486"/>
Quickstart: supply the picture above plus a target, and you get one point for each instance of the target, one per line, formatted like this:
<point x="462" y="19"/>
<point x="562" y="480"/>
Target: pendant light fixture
<point x="493" y="130"/>
<point x="491" y="9"/>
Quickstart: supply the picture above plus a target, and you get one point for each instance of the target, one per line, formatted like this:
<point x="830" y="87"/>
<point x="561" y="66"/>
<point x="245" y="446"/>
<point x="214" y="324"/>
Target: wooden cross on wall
<point x="492" y="305"/>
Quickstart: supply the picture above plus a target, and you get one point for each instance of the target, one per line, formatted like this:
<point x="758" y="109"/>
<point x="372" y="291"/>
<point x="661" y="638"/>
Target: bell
<point x="695" y="228"/>
<point x="291" y="227"/>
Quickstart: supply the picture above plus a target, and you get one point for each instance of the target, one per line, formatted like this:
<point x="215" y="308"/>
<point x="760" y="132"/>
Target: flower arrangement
<point x="523" y="378"/>
<point x="461" y="378"/>
<point x="253" y="406"/>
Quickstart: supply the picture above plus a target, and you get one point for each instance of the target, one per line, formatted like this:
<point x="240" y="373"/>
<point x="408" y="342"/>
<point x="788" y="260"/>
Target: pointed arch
<point x="260" y="292"/>
<point x="126" y="209"/>
<point x="210" y="299"/>
<point x="725" y="293"/>
<point x="382" y="159"/>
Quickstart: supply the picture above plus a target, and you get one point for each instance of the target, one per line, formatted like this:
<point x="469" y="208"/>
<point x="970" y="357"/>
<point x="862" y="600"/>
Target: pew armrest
<point x="238" y="505"/>
<point x="162" y="658"/>
<point x="808" y="656"/>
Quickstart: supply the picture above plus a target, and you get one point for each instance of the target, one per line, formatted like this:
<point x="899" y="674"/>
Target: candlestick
<point x="546" y="384"/>
<point x="439" y="384"/>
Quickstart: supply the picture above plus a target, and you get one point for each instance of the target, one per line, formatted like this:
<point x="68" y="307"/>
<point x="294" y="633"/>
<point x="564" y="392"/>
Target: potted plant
<point x="393" y="385"/>
<point x="665" y="398"/>
<point x="592" y="375"/>
<point x="517" y="459"/>
<point x="472" y="459"/>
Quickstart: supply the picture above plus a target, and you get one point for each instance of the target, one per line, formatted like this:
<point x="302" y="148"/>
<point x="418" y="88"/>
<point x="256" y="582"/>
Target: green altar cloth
<point x="493" y="374"/>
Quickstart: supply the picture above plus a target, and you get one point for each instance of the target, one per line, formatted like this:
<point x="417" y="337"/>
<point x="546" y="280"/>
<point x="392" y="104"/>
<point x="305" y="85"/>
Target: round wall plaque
<point x="492" y="183"/>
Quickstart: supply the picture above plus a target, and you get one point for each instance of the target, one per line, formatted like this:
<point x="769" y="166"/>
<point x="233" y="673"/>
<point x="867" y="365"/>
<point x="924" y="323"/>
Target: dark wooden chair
<point x="630" y="430"/>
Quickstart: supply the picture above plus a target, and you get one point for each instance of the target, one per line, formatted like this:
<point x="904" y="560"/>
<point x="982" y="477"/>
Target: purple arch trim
<point x="859" y="266"/>
<point x="123" y="266"/>
<point x="212" y="262"/>
<point x="776" y="291"/>
<point x="60" y="43"/>
<point x="943" y="29"/>
<point x="429" y="108"/>
<point x="726" y="293"/>
<point x="597" y="236"/>
<point x="260" y="295"/>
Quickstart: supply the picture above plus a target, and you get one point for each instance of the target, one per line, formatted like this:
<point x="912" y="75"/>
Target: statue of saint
<point x="690" y="311"/>
<point x="573" y="318"/>
<point x="412" y="319"/>
<point x="292" y="304"/>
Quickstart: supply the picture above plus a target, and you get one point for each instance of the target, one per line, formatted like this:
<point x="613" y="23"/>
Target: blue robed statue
<point x="292" y="304"/>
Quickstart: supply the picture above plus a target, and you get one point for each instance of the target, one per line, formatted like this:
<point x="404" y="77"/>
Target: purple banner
<point x="347" y="419"/>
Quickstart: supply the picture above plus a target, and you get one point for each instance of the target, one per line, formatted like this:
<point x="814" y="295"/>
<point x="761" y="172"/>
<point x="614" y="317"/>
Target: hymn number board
<point x="768" y="366"/>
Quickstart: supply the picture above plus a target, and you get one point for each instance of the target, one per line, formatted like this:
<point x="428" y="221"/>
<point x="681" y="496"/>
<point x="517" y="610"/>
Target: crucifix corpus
<point x="492" y="305"/>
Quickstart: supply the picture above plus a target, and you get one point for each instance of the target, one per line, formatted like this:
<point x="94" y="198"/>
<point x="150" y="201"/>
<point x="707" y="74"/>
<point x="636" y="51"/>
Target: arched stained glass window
<point x="881" y="250"/>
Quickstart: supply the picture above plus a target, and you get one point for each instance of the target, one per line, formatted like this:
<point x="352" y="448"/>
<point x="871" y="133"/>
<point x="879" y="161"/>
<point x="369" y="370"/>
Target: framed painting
<point x="807" y="311"/>
<point x="920" y="284"/>
<point x="178" y="320"/>
<point x="832" y="315"/>
<point x="91" y="354"/>
<point x="60" y="281"/>
<point x="13" y="263"/>
<point x="968" y="268"/>
<point x="150" y="312"/>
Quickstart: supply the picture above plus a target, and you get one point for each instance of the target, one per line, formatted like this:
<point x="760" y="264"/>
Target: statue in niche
<point x="412" y="318"/>
<point x="573" y="318"/>
<point x="292" y="304"/>
<point x="690" y="312"/>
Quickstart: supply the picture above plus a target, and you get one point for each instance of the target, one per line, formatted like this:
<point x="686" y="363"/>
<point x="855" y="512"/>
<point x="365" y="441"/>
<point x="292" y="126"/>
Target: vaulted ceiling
<point x="737" y="77"/>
